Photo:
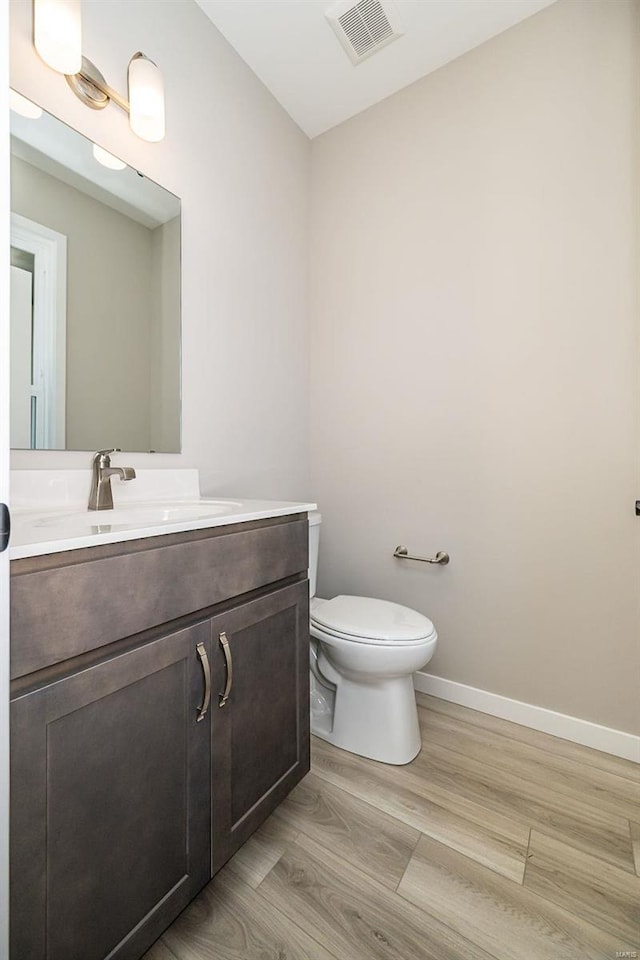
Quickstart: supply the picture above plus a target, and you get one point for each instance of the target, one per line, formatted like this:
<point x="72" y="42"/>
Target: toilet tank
<point x="315" y="519"/>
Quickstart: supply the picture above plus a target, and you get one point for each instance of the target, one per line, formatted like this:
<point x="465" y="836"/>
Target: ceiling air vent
<point x="364" y="28"/>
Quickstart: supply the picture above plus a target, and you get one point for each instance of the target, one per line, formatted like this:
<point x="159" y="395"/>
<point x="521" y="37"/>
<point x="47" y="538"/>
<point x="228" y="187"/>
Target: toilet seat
<point x="371" y="621"/>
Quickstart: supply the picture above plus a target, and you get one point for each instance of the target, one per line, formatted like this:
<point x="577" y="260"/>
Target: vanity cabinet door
<point x="260" y="736"/>
<point x="110" y="803"/>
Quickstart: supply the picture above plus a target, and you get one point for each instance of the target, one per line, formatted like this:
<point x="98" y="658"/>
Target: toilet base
<point x="374" y="720"/>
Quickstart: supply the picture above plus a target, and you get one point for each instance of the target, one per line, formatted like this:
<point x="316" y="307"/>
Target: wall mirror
<point x="95" y="296"/>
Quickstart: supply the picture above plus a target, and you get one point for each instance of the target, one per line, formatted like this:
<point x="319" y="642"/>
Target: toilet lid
<point x="364" y="618"/>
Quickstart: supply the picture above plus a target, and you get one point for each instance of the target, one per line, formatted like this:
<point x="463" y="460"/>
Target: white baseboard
<point x="616" y="742"/>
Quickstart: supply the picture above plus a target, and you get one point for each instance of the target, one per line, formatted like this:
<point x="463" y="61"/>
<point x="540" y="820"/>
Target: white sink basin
<point x="40" y="530"/>
<point x="138" y="514"/>
<point x="49" y="510"/>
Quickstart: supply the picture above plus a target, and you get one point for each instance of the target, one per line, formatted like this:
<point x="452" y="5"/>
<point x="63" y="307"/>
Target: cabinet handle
<point x="227" y="656"/>
<point x="204" y="660"/>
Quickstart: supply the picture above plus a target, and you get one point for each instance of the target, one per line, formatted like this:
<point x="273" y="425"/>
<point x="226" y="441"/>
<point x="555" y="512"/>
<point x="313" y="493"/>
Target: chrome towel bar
<point x="403" y="554"/>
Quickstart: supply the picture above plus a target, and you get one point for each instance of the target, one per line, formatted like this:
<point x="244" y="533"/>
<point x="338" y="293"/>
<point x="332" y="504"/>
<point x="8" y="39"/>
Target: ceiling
<point x="291" y="47"/>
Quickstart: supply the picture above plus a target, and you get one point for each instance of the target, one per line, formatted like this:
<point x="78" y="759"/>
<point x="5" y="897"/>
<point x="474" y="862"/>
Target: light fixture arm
<point x="91" y="87"/>
<point x="109" y="92"/>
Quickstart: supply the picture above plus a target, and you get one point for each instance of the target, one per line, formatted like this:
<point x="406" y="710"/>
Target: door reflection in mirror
<point x="38" y="335"/>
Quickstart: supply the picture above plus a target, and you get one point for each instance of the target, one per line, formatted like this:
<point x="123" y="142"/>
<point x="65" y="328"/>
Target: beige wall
<point x="475" y="359"/>
<point x="109" y="278"/>
<point x="240" y="166"/>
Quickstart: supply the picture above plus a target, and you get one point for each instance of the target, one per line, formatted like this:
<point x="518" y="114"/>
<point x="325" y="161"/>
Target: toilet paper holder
<point x="441" y="557"/>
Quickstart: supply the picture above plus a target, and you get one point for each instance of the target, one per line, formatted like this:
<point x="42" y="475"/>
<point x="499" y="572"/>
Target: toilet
<point x="363" y="655"/>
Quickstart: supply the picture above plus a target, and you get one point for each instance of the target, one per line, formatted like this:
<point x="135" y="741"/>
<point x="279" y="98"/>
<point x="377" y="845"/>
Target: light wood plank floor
<point x="496" y="843"/>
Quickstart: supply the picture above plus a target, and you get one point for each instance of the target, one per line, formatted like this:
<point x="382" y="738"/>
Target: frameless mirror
<point x="95" y="297"/>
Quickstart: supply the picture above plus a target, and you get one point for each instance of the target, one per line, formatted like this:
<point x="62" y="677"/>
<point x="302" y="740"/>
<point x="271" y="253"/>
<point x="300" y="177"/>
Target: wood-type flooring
<point x="496" y="843"/>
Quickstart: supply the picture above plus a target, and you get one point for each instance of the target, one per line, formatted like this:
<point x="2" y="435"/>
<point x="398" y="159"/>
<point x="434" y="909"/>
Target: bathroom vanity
<point x="159" y="713"/>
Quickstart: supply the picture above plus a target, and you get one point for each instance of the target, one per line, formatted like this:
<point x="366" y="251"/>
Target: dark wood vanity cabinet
<point x="123" y="802"/>
<point x="260" y="736"/>
<point x="110" y="803"/>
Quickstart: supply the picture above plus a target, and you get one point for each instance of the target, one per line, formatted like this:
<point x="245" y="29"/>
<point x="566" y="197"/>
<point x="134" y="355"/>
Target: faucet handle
<point x="102" y="456"/>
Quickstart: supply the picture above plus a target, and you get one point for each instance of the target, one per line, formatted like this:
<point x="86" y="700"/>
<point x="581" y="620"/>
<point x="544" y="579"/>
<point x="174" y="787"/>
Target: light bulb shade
<point x="146" y="99"/>
<point x="107" y="159"/>
<point x="26" y="108"/>
<point x="57" y="34"/>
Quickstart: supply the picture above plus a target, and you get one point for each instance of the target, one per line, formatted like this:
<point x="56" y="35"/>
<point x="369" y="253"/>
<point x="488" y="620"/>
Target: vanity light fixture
<point x="57" y="33"/>
<point x="145" y="106"/>
<point x="146" y="98"/>
<point x="26" y="108"/>
<point x="107" y="159"/>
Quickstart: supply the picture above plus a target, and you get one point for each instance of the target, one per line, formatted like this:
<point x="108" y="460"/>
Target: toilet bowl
<point x="364" y="652"/>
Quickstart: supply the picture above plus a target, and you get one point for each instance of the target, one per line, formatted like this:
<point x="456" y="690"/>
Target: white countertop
<point x="48" y="517"/>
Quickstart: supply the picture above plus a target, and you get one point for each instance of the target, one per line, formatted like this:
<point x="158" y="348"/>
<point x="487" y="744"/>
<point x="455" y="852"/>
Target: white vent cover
<point x="364" y="28"/>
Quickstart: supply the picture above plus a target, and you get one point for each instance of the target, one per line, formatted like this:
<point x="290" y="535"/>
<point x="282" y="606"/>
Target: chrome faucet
<point x="101" y="497"/>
